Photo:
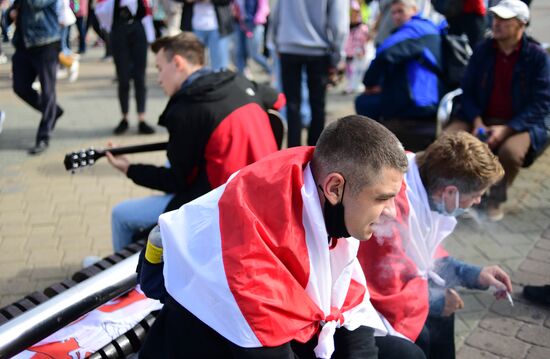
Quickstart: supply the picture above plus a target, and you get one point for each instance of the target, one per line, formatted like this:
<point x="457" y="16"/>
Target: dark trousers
<point x="4" y="25"/>
<point x="177" y="333"/>
<point x="94" y="23"/>
<point x="27" y="65"/>
<point x="437" y="339"/>
<point x="129" y="46"/>
<point x="317" y="79"/>
<point x="81" y="27"/>
<point x="368" y="105"/>
<point x="511" y="153"/>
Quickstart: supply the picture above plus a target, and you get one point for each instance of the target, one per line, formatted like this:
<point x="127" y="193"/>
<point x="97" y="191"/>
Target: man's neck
<point x="508" y="45"/>
<point x="190" y="71"/>
<point x="193" y="69"/>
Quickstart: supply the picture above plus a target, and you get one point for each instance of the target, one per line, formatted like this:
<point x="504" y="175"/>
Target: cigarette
<point x="509" y="297"/>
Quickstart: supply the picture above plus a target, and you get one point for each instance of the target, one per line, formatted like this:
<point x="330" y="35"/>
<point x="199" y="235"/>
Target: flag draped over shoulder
<point x="251" y="259"/>
<point x="399" y="259"/>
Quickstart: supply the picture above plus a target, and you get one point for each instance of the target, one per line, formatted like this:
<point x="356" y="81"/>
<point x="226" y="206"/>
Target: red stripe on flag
<point x="395" y="289"/>
<point x="264" y="249"/>
<point x="240" y="139"/>
<point x="356" y="294"/>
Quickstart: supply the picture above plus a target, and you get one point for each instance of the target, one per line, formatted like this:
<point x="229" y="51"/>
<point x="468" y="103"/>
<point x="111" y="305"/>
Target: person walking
<point x="36" y="41"/>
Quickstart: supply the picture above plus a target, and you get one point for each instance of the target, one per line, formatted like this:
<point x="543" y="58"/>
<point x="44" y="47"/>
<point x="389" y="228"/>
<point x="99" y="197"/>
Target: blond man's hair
<point x="458" y="159"/>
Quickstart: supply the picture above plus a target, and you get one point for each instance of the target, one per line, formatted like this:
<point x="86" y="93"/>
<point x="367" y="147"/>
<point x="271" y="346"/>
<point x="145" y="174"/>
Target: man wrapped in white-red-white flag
<point x="265" y="266"/>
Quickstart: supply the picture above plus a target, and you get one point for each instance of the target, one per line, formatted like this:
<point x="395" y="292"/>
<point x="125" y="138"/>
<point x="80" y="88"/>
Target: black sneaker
<point x="39" y="148"/>
<point x="121" y="128"/>
<point x="58" y="114"/>
<point x="537" y="294"/>
<point x="145" y="129"/>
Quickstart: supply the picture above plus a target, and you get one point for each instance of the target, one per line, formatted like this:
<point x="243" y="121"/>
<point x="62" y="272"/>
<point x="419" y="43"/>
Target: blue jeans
<point x="65" y="45"/>
<point x="249" y="46"/>
<point x="218" y="47"/>
<point x="130" y="216"/>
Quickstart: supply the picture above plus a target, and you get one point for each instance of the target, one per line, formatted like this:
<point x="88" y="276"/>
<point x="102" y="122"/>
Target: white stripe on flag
<point x="194" y="272"/>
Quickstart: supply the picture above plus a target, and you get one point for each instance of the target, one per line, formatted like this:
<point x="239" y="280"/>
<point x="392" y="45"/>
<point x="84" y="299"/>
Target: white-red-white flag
<point x="251" y="259"/>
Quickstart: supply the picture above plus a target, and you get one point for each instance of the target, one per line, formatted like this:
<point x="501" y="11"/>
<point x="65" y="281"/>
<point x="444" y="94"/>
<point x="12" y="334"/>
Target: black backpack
<point x="455" y="54"/>
<point x="448" y="8"/>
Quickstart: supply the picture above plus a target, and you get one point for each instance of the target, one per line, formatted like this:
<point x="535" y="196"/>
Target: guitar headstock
<point x="80" y="159"/>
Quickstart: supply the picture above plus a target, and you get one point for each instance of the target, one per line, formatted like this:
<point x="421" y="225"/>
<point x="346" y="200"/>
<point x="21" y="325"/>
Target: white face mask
<point x="457" y="211"/>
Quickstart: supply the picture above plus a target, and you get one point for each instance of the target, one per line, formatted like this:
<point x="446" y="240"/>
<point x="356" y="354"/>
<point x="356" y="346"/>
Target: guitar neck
<point x="134" y="149"/>
<point x="88" y="157"/>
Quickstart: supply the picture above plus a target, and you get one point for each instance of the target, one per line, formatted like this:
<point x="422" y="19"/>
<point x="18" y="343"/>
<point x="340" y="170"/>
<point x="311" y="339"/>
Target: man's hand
<point x="477" y="124"/>
<point x="13" y="14"/>
<point x="121" y="163"/>
<point x="336" y="74"/>
<point x="496" y="277"/>
<point x="453" y="302"/>
<point x="498" y="134"/>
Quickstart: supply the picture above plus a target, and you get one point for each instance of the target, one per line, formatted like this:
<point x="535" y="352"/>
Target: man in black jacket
<point x="217" y="124"/>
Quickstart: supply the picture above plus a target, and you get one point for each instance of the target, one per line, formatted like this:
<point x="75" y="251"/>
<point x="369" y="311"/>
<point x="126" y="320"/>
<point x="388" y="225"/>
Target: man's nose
<point x="389" y="209"/>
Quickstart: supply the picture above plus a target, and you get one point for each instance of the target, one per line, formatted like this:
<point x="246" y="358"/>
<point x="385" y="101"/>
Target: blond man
<point x="410" y="277"/>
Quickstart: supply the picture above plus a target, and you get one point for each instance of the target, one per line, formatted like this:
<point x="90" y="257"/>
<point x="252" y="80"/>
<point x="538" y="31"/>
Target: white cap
<point x="508" y="9"/>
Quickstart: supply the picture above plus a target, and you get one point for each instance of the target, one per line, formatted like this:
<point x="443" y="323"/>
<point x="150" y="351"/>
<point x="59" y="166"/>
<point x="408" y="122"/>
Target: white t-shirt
<point x="204" y="17"/>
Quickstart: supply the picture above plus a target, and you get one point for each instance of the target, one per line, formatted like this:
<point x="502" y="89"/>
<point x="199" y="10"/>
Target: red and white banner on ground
<point x="94" y="330"/>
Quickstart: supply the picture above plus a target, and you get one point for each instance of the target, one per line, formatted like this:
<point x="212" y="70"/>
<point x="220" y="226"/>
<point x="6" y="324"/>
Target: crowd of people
<point x="265" y="253"/>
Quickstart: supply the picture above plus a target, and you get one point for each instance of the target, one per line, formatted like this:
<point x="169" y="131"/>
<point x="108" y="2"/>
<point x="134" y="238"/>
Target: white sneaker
<point x="2" y="119"/>
<point x="73" y="71"/>
<point x="62" y="73"/>
<point x="3" y="59"/>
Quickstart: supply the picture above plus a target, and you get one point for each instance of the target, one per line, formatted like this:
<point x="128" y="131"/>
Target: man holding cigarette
<point x="410" y="277"/>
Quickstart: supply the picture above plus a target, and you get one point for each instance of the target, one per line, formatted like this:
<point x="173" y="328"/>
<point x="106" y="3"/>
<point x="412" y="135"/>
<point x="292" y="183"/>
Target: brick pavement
<point x="50" y="220"/>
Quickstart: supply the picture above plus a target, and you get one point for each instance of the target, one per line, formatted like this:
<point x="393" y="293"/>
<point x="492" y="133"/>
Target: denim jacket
<point x="37" y="23"/>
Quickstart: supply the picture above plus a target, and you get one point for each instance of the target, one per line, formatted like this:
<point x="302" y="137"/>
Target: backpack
<point x="448" y="8"/>
<point x="455" y="54"/>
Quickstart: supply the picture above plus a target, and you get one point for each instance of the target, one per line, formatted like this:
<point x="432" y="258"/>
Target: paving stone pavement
<point x="50" y="220"/>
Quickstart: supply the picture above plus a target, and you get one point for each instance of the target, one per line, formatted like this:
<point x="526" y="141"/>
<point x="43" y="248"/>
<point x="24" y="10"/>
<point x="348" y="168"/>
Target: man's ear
<point x="450" y="190"/>
<point x="333" y="187"/>
<point x="180" y="62"/>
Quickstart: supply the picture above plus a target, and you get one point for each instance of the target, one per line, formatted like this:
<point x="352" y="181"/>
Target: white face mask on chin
<point x="456" y="212"/>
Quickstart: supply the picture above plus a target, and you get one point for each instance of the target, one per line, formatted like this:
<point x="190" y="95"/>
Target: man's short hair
<point x="407" y="3"/>
<point x="358" y="148"/>
<point x="458" y="159"/>
<point x="185" y="44"/>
